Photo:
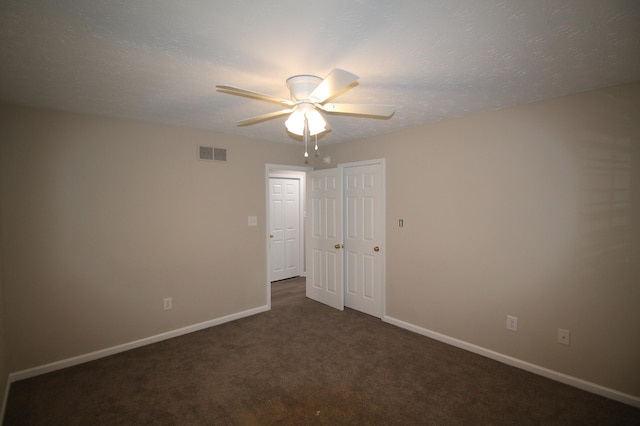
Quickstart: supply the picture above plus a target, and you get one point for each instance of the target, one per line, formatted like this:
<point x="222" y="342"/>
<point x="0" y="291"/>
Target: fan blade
<point x="333" y="83"/>
<point x="263" y="117"/>
<point x="359" y="109"/>
<point x="257" y="95"/>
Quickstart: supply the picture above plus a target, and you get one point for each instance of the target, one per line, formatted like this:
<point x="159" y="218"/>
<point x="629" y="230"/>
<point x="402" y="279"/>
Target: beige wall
<point x="103" y="218"/>
<point x="531" y="211"/>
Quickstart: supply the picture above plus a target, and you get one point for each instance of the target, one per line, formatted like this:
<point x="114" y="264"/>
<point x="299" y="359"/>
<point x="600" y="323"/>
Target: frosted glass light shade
<point x="295" y="122"/>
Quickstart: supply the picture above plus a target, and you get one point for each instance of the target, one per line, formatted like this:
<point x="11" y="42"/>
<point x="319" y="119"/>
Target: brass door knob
<point x="270" y="235"/>
<point x="376" y="248"/>
<point x="338" y="246"/>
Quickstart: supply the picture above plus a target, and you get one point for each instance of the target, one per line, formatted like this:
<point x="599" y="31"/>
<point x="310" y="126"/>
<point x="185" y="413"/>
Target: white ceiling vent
<point x="211" y="153"/>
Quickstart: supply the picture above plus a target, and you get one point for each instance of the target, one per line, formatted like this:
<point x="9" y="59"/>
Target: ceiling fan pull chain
<point x="306" y="136"/>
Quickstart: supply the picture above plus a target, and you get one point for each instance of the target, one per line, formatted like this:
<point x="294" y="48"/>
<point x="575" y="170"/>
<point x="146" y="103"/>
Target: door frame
<point x="289" y="172"/>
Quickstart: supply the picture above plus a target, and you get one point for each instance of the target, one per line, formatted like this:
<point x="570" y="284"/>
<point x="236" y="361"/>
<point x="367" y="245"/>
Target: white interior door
<point x="324" y="238"/>
<point x="363" y="229"/>
<point x="284" y="233"/>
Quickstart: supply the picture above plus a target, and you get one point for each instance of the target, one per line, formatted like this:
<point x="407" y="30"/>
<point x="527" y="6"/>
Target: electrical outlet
<point x="564" y="336"/>
<point x="252" y="221"/>
<point x="168" y="303"/>
<point x="512" y="323"/>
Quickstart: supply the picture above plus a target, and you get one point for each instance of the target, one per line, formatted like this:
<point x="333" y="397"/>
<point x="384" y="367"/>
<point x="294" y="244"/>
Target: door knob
<point x="376" y="248"/>
<point x="338" y="246"/>
<point x="270" y="235"/>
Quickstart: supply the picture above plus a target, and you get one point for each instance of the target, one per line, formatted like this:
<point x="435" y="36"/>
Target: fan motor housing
<point x="301" y="86"/>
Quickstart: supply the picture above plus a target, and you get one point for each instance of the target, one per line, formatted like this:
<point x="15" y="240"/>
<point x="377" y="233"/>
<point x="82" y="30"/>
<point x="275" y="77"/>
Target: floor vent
<point x="211" y="153"/>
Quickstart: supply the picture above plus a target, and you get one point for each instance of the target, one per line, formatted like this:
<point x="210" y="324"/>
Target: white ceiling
<point x="159" y="60"/>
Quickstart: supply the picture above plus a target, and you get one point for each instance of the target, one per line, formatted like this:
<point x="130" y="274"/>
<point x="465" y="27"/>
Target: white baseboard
<point x="514" y="362"/>
<point x="505" y="359"/>
<point x="69" y="362"/>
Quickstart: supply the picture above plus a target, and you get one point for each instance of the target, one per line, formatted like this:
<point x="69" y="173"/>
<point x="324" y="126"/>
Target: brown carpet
<point x="303" y="363"/>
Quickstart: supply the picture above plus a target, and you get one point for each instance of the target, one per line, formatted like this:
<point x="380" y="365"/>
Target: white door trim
<point x="280" y="170"/>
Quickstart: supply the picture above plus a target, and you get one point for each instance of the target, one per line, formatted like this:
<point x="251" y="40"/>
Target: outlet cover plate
<point x="564" y="336"/>
<point x="512" y="323"/>
<point x="167" y="303"/>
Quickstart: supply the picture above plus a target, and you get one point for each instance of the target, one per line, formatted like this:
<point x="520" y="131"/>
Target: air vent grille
<point x="219" y="154"/>
<point x="205" y="152"/>
<point x="212" y="154"/>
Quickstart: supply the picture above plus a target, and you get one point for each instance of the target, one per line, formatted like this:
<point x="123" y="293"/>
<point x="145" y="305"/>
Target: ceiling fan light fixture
<point x="300" y="86"/>
<point x="308" y="94"/>
<point x="296" y="121"/>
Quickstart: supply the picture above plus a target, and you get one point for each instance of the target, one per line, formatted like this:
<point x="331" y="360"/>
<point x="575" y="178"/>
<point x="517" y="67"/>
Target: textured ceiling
<point x="160" y="60"/>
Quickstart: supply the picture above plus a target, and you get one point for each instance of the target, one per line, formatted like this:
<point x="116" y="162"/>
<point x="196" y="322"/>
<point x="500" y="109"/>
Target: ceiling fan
<point x="309" y="94"/>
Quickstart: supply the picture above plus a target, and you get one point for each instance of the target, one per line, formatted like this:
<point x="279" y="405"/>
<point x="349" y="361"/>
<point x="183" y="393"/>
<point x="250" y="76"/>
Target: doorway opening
<point x="285" y="211"/>
<point x="349" y="267"/>
<point x="285" y="227"/>
<point x="287" y="292"/>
